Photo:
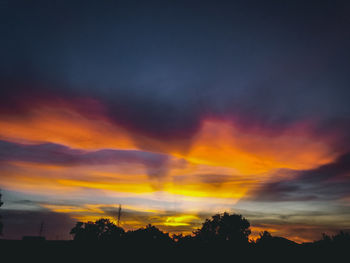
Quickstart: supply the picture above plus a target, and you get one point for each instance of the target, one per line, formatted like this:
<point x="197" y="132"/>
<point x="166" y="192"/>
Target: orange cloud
<point x="217" y="143"/>
<point x="220" y="143"/>
<point x="62" y="124"/>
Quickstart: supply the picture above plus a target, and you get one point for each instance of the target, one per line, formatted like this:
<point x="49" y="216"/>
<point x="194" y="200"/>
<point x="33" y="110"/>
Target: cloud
<point x="156" y="77"/>
<point x="215" y="180"/>
<point x="327" y="182"/>
<point x="49" y="153"/>
<point x="298" y="221"/>
<point x="61" y="217"/>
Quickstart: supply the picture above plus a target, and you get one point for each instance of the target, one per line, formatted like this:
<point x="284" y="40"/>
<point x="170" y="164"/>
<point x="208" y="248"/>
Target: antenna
<point x="119" y="214"/>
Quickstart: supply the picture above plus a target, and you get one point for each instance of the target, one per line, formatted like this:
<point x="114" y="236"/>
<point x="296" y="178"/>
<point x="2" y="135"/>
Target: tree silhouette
<point x="224" y="228"/>
<point x="217" y="236"/>
<point x="341" y="239"/>
<point x="100" y="230"/>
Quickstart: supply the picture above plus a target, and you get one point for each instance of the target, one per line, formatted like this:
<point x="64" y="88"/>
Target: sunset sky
<point x="176" y="110"/>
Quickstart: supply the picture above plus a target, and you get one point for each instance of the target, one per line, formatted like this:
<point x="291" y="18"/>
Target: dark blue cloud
<point x="159" y="67"/>
<point x="49" y="153"/>
<point x="327" y="182"/>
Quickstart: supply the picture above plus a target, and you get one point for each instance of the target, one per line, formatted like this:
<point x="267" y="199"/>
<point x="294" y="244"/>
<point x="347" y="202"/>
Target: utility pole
<point x="119" y="214"/>
<point x="41" y="229"/>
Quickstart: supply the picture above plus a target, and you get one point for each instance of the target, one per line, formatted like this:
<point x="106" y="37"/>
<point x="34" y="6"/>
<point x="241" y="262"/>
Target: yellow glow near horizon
<point x="180" y="220"/>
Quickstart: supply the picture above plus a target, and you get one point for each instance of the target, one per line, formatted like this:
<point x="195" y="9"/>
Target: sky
<point x="177" y="110"/>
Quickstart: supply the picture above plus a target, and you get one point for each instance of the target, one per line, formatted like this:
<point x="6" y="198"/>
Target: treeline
<point x="220" y="231"/>
<point x="223" y="237"/>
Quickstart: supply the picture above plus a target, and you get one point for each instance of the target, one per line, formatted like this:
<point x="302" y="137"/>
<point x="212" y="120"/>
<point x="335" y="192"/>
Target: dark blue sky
<point x="175" y="61"/>
<point x="200" y="94"/>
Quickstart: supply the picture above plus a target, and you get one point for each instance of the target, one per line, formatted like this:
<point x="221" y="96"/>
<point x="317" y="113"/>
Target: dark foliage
<point x="224" y="228"/>
<point x="223" y="236"/>
<point x="267" y="241"/>
<point x="150" y="235"/>
<point x="100" y="230"/>
<point x="340" y="240"/>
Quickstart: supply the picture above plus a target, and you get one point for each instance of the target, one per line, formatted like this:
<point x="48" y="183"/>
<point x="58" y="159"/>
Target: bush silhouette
<point x="267" y="241"/>
<point x="264" y="237"/>
<point x="149" y="234"/>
